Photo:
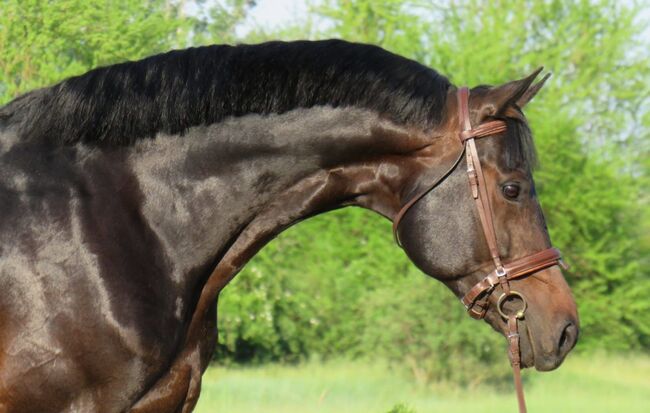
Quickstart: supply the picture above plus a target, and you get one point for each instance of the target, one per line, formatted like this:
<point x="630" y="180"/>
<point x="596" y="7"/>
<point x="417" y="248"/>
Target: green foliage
<point x="43" y="42"/>
<point x="401" y="408"/>
<point x="345" y="289"/>
<point x="215" y="22"/>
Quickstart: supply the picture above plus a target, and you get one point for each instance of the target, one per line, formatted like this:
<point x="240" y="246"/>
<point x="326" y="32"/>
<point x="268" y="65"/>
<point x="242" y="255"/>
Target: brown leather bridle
<point x="476" y="300"/>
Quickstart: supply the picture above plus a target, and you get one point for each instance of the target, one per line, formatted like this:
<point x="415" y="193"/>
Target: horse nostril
<point x="568" y="339"/>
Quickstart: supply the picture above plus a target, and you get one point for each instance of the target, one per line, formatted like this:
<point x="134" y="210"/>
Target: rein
<point x="477" y="299"/>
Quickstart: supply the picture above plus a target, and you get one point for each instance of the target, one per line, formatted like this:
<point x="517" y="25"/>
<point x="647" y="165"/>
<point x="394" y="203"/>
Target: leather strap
<point x="481" y="197"/>
<point x="485" y="129"/>
<point x="400" y="215"/>
<point x="475" y="171"/>
<point x="515" y="361"/>
<point x="514" y="269"/>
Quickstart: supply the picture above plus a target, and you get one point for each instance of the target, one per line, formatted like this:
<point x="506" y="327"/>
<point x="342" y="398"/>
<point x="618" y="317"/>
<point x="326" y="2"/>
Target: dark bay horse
<point x="131" y="195"/>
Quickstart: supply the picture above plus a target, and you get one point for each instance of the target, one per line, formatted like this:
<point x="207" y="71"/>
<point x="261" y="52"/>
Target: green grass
<point x="582" y="384"/>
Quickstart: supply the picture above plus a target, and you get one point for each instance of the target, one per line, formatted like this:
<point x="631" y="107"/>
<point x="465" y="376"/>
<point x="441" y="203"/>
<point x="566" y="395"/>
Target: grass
<point x="583" y="384"/>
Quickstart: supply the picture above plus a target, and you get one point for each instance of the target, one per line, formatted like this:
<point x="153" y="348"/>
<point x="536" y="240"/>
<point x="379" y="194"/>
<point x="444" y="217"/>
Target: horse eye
<point x="510" y="191"/>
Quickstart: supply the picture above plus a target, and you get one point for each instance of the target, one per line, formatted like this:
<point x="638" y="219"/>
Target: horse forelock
<point x="171" y="92"/>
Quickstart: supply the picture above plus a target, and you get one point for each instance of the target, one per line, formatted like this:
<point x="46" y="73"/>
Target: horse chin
<point x="548" y="363"/>
<point x="530" y="356"/>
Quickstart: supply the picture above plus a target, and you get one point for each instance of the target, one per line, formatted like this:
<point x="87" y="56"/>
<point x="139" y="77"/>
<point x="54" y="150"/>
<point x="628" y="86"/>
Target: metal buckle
<point x="473" y="312"/>
<point x="520" y="313"/>
<point x="502" y="275"/>
<point x="563" y="264"/>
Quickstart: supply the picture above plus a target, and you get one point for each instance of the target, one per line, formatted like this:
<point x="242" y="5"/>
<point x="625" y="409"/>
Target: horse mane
<point x="171" y="92"/>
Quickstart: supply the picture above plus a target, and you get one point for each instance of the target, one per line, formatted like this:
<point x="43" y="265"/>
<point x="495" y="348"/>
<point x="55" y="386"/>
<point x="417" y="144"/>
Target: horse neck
<point x="250" y="177"/>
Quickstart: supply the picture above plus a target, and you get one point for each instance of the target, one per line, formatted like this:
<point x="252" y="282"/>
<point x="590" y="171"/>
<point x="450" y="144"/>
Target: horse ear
<point x="498" y="98"/>
<point x="532" y="91"/>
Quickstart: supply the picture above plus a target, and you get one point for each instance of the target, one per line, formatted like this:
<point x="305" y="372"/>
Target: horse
<point x="132" y="194"/>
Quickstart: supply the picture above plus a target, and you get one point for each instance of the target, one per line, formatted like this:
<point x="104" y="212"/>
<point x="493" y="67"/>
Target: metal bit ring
<point x="520" y="313"/>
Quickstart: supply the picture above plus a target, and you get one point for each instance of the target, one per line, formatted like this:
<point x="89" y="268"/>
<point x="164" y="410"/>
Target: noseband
<point x="477" y="299"/>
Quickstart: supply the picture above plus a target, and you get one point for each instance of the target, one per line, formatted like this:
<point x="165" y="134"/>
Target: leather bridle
<point x="477" y="299"/>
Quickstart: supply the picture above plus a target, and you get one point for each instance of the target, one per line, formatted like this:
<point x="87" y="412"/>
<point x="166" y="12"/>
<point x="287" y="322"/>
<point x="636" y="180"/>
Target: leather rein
<point x="477" y="299"/>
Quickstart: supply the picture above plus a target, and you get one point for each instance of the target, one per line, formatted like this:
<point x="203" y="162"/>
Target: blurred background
<point x="331" y="316"/>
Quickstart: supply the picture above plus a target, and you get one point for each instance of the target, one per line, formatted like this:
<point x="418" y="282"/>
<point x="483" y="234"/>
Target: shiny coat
<point x="113" y="252"/>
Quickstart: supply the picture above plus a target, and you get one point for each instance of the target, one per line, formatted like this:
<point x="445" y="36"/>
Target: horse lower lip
<point x="528" y="358"/>
<point x="547" y="363"/>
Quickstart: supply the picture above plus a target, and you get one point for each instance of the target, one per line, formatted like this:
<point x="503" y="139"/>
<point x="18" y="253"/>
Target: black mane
<point x="170" y="92"/>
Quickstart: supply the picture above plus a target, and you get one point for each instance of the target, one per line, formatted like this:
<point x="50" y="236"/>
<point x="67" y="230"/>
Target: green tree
<point x="216" y="22"/>
<point x="43" y="42"/>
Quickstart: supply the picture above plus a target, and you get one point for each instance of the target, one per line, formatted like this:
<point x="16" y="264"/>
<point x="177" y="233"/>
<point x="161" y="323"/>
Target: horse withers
<point x="131" y="195"/>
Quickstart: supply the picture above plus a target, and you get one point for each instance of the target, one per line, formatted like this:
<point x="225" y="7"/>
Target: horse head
<point x="443" y="233"/>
